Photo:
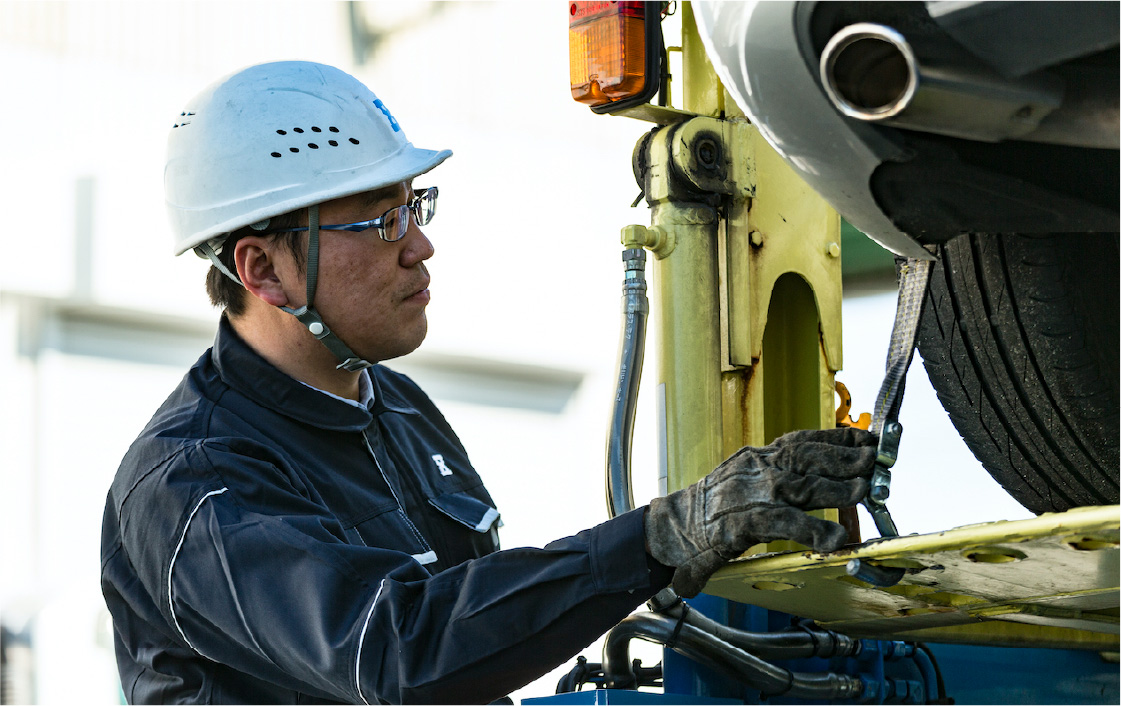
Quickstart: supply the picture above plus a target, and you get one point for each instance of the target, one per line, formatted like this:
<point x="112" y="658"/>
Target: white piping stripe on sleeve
<point x="361" y="639"/>
<point x="171" y="567"/>
<point x="487" y="521"/>
<point x="428" y="557"/>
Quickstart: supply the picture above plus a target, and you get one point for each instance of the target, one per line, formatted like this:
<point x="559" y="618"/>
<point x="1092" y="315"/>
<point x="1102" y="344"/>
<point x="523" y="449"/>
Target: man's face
<point x="371" y="293"/>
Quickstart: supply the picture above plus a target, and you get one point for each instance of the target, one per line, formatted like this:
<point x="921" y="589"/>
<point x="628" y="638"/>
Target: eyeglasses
<point x="393" y="224"/>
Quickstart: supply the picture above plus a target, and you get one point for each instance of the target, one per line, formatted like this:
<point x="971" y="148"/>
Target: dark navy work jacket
<point x="264" y="542"/>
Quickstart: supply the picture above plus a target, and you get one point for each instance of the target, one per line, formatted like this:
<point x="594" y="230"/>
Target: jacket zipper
<point x="400" y="505"/>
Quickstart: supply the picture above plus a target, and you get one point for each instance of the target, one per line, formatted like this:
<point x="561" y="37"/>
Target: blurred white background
<point x="98" y="321"/>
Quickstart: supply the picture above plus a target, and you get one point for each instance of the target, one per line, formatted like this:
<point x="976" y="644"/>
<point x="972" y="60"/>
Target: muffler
<point x="872" y="72"/>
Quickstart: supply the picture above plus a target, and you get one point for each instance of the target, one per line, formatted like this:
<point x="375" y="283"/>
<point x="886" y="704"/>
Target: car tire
<point x="1019" y="336"/>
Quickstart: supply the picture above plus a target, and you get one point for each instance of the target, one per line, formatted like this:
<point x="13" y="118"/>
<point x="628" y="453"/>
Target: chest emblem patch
<point x="443" y="467"/>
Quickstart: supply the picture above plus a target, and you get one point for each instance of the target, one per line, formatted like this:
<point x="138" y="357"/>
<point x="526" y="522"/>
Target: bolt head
<point x="708" y="152"/>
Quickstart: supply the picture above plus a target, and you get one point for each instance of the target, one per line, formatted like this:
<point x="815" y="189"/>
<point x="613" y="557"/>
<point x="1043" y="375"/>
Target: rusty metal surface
<point x="1048" y="581"/>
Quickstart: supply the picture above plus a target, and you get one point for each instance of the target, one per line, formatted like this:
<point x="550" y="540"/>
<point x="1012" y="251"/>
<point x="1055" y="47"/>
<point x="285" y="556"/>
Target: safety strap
<point x="914" y="274"/>
<point x="312" y="252"/>
<point x="307" y="314"/>
<point x="207" y="250"/>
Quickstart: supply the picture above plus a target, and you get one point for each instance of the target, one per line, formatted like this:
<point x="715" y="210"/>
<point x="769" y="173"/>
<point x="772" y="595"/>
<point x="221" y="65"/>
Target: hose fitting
<point x="632" y="344"/>
<point x="656" y="239"/>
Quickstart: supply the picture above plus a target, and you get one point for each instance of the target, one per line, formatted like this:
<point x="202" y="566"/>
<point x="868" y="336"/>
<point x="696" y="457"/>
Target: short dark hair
<point x="231" y="296"/>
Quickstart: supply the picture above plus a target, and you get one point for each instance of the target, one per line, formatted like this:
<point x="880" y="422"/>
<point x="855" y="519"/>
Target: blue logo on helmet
<point x="392" y="120"/>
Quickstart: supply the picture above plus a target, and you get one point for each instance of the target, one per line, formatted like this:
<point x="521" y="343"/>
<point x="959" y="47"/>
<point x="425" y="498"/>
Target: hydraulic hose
<point x="935" y="688"/>
<point x="632" y="346"/>
<point x="711" y="650"/>
<point x="694" y="635"/>
<point x="793" y="644"/>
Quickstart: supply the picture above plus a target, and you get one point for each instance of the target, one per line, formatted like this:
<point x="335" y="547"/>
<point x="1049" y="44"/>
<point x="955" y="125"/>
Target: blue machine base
<point x="625" y="696"/>
<point x="972" y="674"/>
<point x="1026" y="675"/>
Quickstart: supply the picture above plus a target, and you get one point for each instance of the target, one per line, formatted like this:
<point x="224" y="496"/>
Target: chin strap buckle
<point x="307" y="314"/>
<point x="311" y="319"/>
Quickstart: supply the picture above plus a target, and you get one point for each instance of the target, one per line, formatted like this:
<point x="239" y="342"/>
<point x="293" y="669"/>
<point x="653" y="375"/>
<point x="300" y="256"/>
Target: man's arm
<point x="277" y="592"/>
<point x="274" y="590"/>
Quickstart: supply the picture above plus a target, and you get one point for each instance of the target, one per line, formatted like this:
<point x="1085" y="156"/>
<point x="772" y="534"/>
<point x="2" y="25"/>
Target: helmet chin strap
<point x="307" y="314"/>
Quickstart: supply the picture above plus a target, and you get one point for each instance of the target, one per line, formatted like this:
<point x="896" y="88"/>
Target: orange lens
<point x="606" y="51"/>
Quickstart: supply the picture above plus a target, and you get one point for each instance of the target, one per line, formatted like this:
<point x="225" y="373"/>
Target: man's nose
<point x="416" y="246"/>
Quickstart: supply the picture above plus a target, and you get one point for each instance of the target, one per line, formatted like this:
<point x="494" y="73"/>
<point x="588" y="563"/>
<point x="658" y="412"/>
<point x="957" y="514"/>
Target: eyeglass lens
<point x="425" y="206"/>
<point x="395" y="223"/>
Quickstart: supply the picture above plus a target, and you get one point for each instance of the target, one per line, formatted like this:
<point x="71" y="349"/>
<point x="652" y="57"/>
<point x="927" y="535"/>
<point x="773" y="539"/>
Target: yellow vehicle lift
<point x="746" y="314"/>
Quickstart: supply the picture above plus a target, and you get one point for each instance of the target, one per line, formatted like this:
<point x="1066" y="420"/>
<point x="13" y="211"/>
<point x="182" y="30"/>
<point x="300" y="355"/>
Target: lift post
<point x="746" y="316"/>
<point x="747" y="274"/>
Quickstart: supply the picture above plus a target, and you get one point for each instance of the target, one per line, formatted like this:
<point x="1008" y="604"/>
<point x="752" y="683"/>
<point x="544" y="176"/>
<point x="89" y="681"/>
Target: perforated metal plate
<point x="1050" y="581"/>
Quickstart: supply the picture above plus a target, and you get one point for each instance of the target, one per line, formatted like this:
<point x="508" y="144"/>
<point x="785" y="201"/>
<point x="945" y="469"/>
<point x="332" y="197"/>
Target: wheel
<point x="1019" y="336"/>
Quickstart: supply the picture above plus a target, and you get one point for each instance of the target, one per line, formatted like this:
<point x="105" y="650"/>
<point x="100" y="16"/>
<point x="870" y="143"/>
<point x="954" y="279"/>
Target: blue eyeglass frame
<point x="413" y="207"/>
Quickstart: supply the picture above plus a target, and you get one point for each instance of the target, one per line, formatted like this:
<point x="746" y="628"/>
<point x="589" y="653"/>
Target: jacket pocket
<point x="389" y="528"/>
<point x="468" y="511"/>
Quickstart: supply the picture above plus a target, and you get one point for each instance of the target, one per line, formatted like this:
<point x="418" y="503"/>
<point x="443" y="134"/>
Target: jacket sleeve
<point x="271" y="588"/>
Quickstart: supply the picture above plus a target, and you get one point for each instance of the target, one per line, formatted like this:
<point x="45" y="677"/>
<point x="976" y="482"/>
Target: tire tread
<point x="1002" y="339"/>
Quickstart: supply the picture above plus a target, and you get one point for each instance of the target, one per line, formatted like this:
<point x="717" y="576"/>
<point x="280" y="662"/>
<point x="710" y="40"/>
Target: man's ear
<point x="261" y="270"/>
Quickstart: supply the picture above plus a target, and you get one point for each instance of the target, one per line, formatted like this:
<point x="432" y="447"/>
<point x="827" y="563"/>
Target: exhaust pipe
<point x="871" y="72"/>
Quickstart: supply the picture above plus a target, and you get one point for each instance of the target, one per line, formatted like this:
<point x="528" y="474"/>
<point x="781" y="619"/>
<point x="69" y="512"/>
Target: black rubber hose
<point x="707" y="649"/>
<point x="632" y="344"/>
<point x="794" y="644"/>
<point x="922" y="649"/>
<point x="779" y="645"/>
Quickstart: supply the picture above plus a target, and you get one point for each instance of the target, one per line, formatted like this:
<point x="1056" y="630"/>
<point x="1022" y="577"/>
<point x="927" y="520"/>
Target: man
<point x="298" y="523"/>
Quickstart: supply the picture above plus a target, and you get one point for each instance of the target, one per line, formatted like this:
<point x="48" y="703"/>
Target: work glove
<point x="758" y="495"/>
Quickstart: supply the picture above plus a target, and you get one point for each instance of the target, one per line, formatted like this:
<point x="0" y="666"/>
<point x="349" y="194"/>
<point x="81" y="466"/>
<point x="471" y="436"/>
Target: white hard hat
<point x="276" y="137"/>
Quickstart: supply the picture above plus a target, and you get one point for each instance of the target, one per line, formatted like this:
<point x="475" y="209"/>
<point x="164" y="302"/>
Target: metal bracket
<point x="886" y="455"/>
<point x="880" y="488"/>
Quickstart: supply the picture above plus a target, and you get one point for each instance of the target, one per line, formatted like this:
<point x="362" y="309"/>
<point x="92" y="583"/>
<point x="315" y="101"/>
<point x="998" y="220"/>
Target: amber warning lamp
<point x="614" y="53"/>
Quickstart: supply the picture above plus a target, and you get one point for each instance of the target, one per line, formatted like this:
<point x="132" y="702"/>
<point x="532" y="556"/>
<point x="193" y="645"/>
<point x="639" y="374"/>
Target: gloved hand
<point x="758" y="495"/>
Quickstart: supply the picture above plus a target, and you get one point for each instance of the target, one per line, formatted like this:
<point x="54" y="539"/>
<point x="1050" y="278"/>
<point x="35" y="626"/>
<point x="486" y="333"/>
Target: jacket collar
<point x="244" y="370"/>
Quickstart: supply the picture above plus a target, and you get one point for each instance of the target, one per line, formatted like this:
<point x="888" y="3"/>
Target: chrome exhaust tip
<point x="869" y="71"/>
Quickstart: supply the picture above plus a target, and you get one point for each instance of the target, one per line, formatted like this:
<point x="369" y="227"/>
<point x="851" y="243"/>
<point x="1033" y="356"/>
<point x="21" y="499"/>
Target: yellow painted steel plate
<point x="1049" y="581"/>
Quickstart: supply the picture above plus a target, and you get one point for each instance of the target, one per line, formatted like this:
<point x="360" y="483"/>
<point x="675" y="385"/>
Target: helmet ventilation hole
<point x="181" y="123"/>
<point x="311" y="145"/>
